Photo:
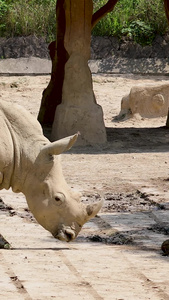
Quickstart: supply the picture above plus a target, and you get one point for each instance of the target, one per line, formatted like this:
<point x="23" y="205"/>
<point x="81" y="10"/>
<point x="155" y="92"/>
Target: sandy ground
<point x="136" y="154"/>
<point x="117" y="255"/>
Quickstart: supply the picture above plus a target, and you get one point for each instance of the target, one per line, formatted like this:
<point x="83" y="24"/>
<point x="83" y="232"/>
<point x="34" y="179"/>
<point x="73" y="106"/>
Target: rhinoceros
<point x="147" y="101"/>
<point x="30" y="163"/>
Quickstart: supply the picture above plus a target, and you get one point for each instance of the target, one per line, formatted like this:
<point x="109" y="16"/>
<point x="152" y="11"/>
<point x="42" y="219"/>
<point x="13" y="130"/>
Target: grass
<point x="139" y="20"/>
<point x="23" y="18"/>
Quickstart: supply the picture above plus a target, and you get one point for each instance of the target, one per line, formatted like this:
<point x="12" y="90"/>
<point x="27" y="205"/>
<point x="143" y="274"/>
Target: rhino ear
<point x="93" y="208"/>
<point x="60" y="146"/>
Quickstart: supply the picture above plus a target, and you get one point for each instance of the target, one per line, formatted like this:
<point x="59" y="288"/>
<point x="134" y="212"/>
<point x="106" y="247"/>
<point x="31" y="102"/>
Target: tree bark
<point x="69" y="94"/>
<point x="78" y="110"/>
<point x="52" y="95"/>
<point x="166" y="7"/>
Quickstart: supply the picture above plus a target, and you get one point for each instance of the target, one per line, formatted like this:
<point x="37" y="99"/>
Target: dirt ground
<point x="131" y="173"/>
<point x="136" y="154"/>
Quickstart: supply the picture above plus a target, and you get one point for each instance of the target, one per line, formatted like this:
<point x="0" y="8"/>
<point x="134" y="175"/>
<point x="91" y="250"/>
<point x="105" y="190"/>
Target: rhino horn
<point x="93" y="208"/>
<point x="60" y="146"/>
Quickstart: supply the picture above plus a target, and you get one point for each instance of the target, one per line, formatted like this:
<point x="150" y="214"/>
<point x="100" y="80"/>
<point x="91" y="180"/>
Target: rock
<point x="104" y="47"/>
<point x="23" y="47"/>
<point x="165" y="247"/>
<point x="101" y="47"/>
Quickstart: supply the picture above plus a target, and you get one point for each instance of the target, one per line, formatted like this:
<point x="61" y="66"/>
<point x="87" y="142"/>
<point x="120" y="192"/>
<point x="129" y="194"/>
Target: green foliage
<point x="140" y="20"/>
<point x="25" y="17"/>
<point x="3" y="11"/>
<point x="140" y="32"/>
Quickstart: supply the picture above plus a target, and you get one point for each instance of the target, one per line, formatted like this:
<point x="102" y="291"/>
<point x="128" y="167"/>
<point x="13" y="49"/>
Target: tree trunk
<point x="68" y="102"/>
<point x="166" y="6"/>
<point x="52" y="95"/>
<point x="78" y="110"/>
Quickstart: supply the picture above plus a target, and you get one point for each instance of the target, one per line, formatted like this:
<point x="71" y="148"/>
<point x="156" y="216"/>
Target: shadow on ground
<point x="129" y="140"/>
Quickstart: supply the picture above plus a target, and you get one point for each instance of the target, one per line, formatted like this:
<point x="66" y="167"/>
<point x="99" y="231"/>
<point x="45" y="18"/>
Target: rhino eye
<point x="59" y="199"/>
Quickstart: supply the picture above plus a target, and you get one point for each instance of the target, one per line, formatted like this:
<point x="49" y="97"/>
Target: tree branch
<point x="166" y="6"/>
<point x="103" y="11"/>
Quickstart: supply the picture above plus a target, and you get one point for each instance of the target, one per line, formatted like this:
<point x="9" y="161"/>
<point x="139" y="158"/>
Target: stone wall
<point x="101" y="47"/>
<point x="23" y="47"/>
<point x="105" y="47"/>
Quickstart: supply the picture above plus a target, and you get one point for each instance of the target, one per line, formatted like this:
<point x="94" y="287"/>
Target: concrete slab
<point x="25" y="66"/>
<point x="112" y="65"/>
<point x="115" y="65"/>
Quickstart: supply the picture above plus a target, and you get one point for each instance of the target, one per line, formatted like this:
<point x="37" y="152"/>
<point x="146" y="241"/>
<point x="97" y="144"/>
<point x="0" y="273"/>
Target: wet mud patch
<point x="118" y="238"/>
<point x="6" y="208"/>
<point x="142" y="237"/>
<point x="125" y="202"/>
<point x="163" y="229"/>
<point x="134" y="203"/>
<point x="99" y="230"/>
<point x="27" y="215"/>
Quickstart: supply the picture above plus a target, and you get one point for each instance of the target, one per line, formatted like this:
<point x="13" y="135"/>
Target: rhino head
<point x="54" y="205"/>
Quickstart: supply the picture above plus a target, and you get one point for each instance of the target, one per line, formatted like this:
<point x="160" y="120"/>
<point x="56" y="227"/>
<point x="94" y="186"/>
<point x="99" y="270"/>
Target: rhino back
<point x="21" y="137"/>
<point x="20" y="119"/>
